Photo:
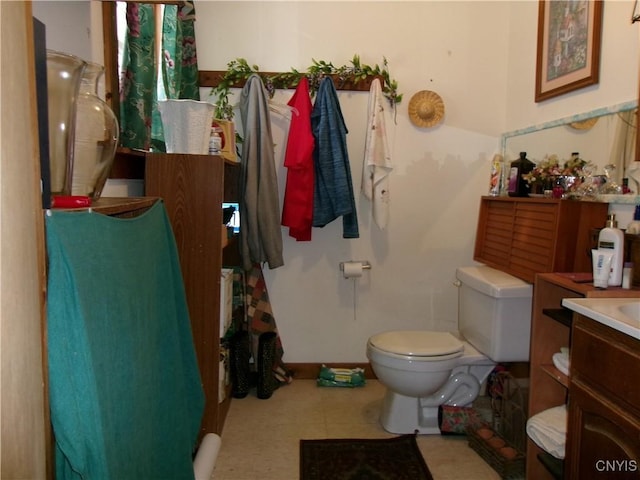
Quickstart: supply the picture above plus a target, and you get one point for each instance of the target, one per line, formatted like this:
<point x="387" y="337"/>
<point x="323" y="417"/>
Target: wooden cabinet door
<point x="526" y="236"/>
<point x="604" y="442"/>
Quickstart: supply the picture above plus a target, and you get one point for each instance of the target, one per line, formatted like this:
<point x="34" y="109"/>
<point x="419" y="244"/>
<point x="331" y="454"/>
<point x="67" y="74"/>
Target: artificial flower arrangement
<point x="551" y="170"/>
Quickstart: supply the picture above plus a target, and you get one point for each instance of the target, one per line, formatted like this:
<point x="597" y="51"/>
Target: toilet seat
<point x="418" y="345"/>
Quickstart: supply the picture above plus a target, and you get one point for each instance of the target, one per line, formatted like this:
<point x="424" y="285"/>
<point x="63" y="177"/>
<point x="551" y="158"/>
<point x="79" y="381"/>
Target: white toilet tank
<point x="494" y="313"/>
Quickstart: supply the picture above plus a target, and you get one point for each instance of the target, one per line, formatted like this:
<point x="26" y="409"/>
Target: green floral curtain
<point x="137" y="83"/>
<point x="180" y="64"/>
<point x="140" y="123"/>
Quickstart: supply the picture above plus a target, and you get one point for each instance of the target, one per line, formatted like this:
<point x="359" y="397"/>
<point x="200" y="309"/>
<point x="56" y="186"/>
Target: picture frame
<point x="569" y="36"/>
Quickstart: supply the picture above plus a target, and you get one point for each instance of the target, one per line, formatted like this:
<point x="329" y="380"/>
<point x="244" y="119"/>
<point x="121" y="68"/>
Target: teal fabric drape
<point x="141" y="125"/>
<point x="125" y="390"/>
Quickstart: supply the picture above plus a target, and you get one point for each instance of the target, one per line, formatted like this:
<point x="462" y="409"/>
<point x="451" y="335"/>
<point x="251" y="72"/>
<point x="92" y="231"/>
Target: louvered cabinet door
<point x="525" y="236"/>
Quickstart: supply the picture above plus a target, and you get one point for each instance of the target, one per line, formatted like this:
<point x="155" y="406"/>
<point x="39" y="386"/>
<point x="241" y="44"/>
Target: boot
<point x="239" y="364"/>
<point x="267" y="383"/>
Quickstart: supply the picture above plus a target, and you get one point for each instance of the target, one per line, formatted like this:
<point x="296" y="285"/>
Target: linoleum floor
<point x="260" y="440"/>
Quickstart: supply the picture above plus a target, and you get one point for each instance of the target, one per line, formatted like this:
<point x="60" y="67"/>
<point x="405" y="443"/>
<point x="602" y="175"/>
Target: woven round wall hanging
<point x="426" y="109"/>
<point x="584" y="124"/>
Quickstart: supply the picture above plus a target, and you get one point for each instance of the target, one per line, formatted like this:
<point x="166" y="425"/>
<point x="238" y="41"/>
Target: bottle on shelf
<point x="518" y="186"/>
<point x="611" y="238"/>
<point x="634" y="225"/>
<point x="215" y="141"/>
<point x="495" y="183"/>
<point x="627" y="275"/>
<point x="558" y="188"/>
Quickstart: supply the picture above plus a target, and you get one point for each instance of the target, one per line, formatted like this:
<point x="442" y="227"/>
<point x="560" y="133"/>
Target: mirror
<point x="606" y="136"/>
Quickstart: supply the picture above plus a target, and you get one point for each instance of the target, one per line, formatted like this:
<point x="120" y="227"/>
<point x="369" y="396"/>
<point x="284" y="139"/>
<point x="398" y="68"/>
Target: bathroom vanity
<point x="604" y="399"/>
<point x="603" y="388"/>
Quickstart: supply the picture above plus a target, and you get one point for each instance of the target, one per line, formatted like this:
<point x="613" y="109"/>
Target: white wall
<point x="618" y="67"/>
<point x="454" y="48"/>
<point x="618" y="83"/>
<point x="68" y="26"/>
<point x="480" y="57"/>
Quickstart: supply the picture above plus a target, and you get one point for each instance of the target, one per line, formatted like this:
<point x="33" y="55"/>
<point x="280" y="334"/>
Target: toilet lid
<point x="417" y="343"/>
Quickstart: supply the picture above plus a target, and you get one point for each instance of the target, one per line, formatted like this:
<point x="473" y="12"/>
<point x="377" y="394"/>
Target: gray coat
<point x="260" y="231"/>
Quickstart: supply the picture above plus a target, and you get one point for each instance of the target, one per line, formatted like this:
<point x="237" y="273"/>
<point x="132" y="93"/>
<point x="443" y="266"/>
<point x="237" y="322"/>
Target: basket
<point x="507" y="468"/>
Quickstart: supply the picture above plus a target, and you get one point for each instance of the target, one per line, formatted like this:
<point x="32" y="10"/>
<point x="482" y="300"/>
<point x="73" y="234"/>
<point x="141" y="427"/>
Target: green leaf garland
<point x="239" y="70"/>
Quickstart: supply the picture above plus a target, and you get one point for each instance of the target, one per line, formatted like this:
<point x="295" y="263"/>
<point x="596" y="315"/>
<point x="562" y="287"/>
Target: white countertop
<point x="607" y="311"/>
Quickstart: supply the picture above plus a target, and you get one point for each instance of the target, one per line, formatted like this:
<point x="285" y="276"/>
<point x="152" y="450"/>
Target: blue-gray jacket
<point x="333" y="193"/>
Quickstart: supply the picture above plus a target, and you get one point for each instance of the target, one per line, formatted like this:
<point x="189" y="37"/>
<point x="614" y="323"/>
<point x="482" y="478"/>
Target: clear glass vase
<point x="96" y="136"/>
<point x="64" y="73"/>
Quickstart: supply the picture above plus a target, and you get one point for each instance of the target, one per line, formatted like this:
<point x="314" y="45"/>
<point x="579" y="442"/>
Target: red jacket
<point x="297" y="208"/>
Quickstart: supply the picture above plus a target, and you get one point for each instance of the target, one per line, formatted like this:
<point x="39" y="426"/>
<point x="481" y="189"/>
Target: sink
<point x="631" y="310"/>
<point x="622" y="314"/>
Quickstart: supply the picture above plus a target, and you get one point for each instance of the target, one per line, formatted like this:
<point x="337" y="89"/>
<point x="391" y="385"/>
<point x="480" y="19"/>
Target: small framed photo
<point x="569" y="35"/>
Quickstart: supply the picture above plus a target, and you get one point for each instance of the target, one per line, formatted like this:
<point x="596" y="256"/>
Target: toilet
<point x="425" y="369"/>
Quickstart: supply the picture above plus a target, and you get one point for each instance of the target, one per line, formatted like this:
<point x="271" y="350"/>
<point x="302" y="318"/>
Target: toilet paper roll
<point x="352" y="269"/>
<point x="206" y="457"/>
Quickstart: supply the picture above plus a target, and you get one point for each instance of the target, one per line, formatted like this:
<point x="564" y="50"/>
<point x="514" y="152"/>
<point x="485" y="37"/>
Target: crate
<point x="507" y="468"/>
<point x="508" y="423"/>
<point x="509" y="400"/>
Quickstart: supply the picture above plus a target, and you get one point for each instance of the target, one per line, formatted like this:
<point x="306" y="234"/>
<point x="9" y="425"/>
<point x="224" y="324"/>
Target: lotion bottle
<point x="611" y="239"/>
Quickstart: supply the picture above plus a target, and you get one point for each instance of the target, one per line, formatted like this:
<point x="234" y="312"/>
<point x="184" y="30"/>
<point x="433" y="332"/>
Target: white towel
<point x="548" y="429"/>
<point x="377" y="159"/>
<point x="561" y="360"/>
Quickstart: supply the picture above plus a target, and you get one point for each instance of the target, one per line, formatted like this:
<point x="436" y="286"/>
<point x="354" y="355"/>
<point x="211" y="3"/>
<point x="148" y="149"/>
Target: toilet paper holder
<point x="365" y="264"/>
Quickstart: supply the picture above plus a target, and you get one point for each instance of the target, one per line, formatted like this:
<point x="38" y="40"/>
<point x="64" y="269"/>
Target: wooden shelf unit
<point x="551" y="330"/>
<point x="123" y="207"/>
<point x="193" y="188"/>
<point x="551" y="370"/>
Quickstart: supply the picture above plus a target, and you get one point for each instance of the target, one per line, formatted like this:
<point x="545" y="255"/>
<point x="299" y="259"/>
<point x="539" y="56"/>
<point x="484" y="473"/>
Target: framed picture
<point x="568" y="46"/>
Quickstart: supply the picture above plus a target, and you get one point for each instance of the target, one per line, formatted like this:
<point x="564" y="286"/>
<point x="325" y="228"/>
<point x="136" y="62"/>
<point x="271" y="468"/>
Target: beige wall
<point x="21" y="245"/>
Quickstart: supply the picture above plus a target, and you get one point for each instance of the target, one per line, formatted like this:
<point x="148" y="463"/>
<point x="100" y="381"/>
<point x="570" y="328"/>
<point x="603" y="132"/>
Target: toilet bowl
<point x="425" y="369"/>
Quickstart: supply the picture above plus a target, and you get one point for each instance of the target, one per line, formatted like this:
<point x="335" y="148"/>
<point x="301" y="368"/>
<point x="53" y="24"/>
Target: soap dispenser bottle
<point x="611" y="239"/>
<point x="518" y="186"/>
